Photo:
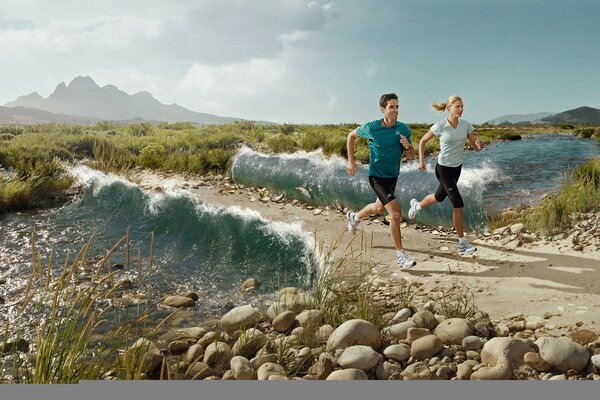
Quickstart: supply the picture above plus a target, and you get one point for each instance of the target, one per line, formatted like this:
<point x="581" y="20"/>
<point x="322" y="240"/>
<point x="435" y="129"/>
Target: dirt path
<point x="533" y="280"/>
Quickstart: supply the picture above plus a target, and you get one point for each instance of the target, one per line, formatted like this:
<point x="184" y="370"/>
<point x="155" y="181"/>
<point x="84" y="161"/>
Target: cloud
<point x="67" y="36"/>
<point x="228" y="31"/>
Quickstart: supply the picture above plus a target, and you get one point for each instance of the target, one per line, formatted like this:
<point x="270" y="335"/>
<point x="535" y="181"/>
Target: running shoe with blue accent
<point x="465" y="247"/>
<point x="353" y="221"/>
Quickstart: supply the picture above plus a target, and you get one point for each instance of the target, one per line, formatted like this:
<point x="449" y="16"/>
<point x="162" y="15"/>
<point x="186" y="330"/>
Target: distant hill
<point x="576" y="116"/>
<point x="516" y="118"/>
<point x="26" y="116"/>
<point x="84" y="98"/>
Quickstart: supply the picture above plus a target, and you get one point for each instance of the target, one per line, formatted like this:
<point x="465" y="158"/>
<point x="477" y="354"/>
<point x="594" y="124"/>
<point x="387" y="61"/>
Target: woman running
<point x="452" y="133"/>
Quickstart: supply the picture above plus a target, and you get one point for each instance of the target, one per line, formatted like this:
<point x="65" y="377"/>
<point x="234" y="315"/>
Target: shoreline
<point x="536" y="278"/>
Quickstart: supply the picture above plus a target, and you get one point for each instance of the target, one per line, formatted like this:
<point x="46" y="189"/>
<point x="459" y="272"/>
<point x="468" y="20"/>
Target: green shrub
<point x="144" y="129"/>
<point x="151" y="156"/>
<point x="281" y="144"/>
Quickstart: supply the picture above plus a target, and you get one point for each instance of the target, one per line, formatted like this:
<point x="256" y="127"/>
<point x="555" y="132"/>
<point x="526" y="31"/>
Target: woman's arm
<point x="475" y="143"/>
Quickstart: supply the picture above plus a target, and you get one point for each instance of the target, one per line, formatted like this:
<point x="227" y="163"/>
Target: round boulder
<point x="354" y="332"/>
<point x="453" y="330"/>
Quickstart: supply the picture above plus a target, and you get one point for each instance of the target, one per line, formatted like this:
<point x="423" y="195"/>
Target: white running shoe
<point x="465" y="247"/>
<point x="404" y="261"/>
<point x="352" y="221"/>
<point x="413" y="211"/>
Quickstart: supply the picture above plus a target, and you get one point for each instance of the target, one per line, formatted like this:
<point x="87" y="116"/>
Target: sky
<point x="315" y="62"/>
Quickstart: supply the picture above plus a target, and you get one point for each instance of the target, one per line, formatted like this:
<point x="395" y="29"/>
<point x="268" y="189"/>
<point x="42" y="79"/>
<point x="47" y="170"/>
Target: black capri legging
<point x="448" y="178"/>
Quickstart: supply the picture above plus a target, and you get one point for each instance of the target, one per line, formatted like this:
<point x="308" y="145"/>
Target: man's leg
<point x="370" y="209"/>
<point x="395" y="213"/>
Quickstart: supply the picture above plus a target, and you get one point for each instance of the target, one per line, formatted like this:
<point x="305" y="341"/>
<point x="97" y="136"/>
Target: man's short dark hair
<point x="383" y="101"/>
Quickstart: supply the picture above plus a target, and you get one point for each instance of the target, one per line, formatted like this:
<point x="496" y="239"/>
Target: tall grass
<point x="580" y="194"/>
<point x="71" y="341"/>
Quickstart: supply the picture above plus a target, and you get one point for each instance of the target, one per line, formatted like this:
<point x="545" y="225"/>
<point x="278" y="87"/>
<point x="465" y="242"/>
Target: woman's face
<point x="456" y="109"/>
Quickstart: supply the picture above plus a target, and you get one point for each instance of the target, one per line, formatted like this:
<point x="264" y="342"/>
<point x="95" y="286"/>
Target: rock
<point x="513" y="245"/>
<point x="179" y="301"/>
<point x="453" y="330"/>
<point x="268" y="369"/>
<point x="323" y="333"/>
<point x="359" y="357"/>
<point x="583" y="336"/>
<point x="399" y="331"/>
<point x="217" y="353"/>
<point x="249" y="284"/>
<point x="354" y="332"/>
<point x="401" y="316"/>
<point x="240" y="317"/>
<point x="517" y="228"/>
<point x="149" y="353"/>
<point x="464" y="371"/>
<point x="277" y="308"/>
<point x="504" y="349"/>
<point x="295" y="302"/>
<point x="249" y="343"/>
<point x="228" y="376"/>
<point x="397" y="352"/>
<point x="425" y="347"/>
<point x="322" y="368"/>
<point x="417" y="371"/>
<point x="207" y="339"/>
<point x="596" y="360"/>
<point x="534" y="322"/>
<point x="194" y="353"/>
<point x="535" y="361"/>
<point x="199" y="371"/>
<point x="350" y="374"/>
<point x="416" y="333"/>
<point x="193" y="295"/>
<point x="386" y="370"/>
<point x="499" y="372"/>
<point x="241" y="368"/>
<point x="194" y="332"/>
<point x="562" y="353"/>
<point x="310" y="318"/>
<point x="284" y="321"/>
<point x="178" y="346"/>
<point x="502" y="330"/>
<point x="425" y="319"/>
<point x="472" y="343"/>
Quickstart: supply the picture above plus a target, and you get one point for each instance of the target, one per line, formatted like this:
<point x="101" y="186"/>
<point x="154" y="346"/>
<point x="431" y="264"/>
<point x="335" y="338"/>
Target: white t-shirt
<point x="452" y="141"/>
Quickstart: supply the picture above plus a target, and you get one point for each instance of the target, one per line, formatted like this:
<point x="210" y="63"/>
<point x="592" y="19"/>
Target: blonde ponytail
<point x="448" y="103"/>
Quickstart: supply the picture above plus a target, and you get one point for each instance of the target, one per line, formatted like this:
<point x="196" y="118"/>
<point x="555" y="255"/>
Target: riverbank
<point x="510" y="273"/>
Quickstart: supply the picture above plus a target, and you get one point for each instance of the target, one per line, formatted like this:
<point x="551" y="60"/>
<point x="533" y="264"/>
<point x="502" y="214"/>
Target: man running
<point x="388" y="139"/>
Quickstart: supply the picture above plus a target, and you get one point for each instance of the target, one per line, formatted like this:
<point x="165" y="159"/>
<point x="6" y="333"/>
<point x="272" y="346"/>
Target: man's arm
<point x="350" y="142"/>
<point x="422" y="143"/>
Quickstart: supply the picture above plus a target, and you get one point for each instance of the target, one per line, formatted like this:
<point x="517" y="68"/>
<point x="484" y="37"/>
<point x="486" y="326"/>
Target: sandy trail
<point x="533" y="280"/>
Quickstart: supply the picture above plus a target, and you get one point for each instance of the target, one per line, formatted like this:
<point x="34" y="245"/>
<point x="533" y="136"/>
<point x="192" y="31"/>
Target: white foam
<point x="99" y="180"/>
<point x="316" y="158"/>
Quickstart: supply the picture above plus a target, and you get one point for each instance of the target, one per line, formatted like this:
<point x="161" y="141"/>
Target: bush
<point x="151" y="156"/>
<point x="585" y="132"/>
<point x="281" y="144"/>
<point x="141" y="129"/>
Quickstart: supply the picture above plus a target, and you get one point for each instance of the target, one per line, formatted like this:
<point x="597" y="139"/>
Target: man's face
<point x="390" y="112"/>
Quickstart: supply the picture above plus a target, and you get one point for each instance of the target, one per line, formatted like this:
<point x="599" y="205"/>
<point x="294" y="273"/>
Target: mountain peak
<point x="83" y="97"/>
<point x="83" y="82"/>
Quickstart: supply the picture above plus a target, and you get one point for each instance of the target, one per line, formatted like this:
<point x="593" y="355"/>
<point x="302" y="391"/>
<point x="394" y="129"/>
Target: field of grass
<point x="33" y="157"/>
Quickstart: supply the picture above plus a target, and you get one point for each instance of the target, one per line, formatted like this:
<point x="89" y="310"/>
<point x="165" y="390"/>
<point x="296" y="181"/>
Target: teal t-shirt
<point x="384" y="146"/>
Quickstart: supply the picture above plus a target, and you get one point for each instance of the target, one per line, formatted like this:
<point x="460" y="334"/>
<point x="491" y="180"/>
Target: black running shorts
<point x="448" y="178"/>
<point x="384" y="188"/>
